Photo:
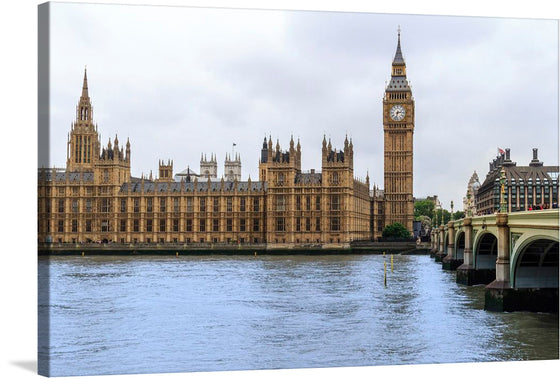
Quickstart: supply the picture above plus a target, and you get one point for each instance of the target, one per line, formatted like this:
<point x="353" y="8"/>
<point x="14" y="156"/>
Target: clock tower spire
<point x="398" y="130"/>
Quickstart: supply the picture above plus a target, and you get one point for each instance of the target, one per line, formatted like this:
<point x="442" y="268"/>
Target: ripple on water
<point x="171" y="314"/>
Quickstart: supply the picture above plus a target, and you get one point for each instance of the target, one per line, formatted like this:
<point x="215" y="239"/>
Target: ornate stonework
<point x="95" y="198"/>
<point x="398" y="127"/>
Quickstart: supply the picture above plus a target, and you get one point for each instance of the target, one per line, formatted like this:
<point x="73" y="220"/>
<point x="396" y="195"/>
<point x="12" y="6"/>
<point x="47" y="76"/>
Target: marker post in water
<point x="384" y="270"/>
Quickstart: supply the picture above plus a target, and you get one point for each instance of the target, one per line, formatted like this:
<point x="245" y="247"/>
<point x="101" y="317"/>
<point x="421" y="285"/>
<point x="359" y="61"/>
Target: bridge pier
<point x="515" y="254"/>
<point x="441" y="250"/>
<point x="433" y="246"/>
<point x="520" y="299"/>
<point x="499" y="296"/>
<point x="450" y="261"/>
<point x="466" y="272"/>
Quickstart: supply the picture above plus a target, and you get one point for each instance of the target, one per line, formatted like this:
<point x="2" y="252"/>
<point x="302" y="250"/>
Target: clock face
<point x="397" y="112"/>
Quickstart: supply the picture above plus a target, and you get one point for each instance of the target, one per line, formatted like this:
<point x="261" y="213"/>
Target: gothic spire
<point x="85" y="94"/>
<point x="84" y="109"/>
<point x="398" y="81"/>
<point x="398" y="60"/>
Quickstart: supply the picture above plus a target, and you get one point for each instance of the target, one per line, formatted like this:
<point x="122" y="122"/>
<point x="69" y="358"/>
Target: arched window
<point x="335" y="177"/>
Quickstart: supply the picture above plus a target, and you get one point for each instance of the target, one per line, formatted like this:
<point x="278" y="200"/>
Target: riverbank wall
<point x="230" y="249"/>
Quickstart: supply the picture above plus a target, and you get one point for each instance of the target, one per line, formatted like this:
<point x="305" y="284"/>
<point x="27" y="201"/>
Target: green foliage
<point x="459" y="215"/>
<point x="396" y="230"/>
<point x="423" y="208"/>
<point x="424" y="211"/>
<point x="447" y="216"/>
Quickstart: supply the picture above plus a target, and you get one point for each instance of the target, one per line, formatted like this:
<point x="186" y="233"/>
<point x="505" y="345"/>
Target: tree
<point x="443" y="213"/>
<point x="423" y="208"/>
<point x="396" y="230"/>
<point x="459" y="215"/>
<point x="447" y="216"/>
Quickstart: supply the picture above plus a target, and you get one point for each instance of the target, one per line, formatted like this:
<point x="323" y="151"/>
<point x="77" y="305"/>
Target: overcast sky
<point x="183" y="81"/>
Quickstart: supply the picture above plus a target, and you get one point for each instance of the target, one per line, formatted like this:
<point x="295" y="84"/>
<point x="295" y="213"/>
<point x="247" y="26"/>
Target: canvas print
<point x="244" y="189"/>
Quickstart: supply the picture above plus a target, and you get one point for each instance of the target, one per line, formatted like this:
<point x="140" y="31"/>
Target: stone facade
<point x="398" y="127"/>
<point x="95" y="198"/>
<point x="469" y="200"/>
<point x="208" y="168"/>
<point x="232" y="167"/>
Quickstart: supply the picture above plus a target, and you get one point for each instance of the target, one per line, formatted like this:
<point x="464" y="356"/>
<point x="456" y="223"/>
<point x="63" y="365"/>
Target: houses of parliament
<point x="95" y="198"/>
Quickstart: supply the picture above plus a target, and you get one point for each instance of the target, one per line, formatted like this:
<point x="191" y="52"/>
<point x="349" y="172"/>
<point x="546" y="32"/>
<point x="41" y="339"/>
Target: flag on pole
<point x="500" y="151"/>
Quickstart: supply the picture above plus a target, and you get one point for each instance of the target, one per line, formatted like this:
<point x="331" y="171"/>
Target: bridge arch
<point x="485" y="251"/>
<point x="460" y="245"/>
<point x="445" y="242"/>
<point x="534" y="262"/>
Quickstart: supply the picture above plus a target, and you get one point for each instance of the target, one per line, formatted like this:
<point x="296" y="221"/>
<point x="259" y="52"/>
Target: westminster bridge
<point x="514" y="254"/>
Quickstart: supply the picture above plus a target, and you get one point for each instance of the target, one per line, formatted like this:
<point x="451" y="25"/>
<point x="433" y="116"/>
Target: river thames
<point x="162" y="314"/>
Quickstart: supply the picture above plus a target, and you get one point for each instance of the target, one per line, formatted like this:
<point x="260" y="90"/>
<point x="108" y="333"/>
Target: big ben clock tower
<point x="398" y="130"/>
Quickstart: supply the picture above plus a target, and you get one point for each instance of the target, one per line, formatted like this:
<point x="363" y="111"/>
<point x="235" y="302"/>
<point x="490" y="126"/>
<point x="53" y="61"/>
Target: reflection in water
<point x="115" y="315"/>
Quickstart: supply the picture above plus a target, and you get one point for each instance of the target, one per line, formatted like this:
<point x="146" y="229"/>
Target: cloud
<point x="184" y="81"/>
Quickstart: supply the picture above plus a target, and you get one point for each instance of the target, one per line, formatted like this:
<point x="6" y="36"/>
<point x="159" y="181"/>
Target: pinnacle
<point x="85" y="94"/>
<point x="398" y="54"/>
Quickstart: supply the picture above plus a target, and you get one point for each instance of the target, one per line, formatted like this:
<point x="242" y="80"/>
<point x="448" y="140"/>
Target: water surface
<point x="124" y="315"/>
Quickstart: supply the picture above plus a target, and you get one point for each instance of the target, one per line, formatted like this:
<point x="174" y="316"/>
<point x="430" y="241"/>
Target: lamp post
<point x="452" y="218"/>
<point x="503" y="204"/>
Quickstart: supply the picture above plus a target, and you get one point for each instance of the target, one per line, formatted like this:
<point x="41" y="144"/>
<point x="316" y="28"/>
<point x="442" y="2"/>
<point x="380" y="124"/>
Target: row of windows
<point x="105" y="205"/>
<point x="83" y="149"/>
<point x="528" y="190"/>
<point x="74" y="191"/>
<point x="398" y="96"/>
<point x="305" y="224"/>
<point x="203" y="225"/>
<point x="281" y="203"/>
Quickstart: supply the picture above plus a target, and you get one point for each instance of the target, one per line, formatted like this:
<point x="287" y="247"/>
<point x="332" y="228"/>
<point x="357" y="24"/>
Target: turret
<point x="208" y="168"/>
<point x="232" y="167"/>
<point x="127" y="151"/>
<point x="165" y="171"/>
<point x="83" y="148"/>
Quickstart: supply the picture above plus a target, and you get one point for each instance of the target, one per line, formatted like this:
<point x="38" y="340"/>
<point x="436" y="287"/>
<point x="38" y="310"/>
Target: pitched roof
<point x="60" y="176"/>
<point x="519" y="174"/>
<point x="202" y="186"/>
<point x="309" y="178"/>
